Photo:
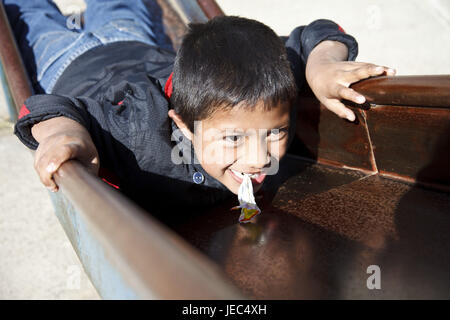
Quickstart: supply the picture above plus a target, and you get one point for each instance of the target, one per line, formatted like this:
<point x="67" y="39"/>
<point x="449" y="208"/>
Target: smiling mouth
<point x="257" y="178"/>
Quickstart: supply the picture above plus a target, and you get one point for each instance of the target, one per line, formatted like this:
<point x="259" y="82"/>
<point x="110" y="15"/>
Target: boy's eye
<point x="277" y="134"/>
<point x="233" y="139"/>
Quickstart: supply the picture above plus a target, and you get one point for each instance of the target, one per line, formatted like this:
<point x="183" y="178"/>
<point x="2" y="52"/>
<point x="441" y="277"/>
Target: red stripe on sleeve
<point x="23" y="111"/>
<point x="109" y="177"/>
<point x="168" y="87"/>
<point x="112" y="185"/>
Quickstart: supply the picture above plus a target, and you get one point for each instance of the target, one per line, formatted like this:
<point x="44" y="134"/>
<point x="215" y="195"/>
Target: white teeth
<point x="241" y="175"/>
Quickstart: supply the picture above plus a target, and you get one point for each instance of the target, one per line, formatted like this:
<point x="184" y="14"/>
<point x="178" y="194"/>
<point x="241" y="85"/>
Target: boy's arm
<point x="302" y="41"/>
<point x="61" y="139"/>
<point x="323" y="51"/>
<point x="60" y="128"/>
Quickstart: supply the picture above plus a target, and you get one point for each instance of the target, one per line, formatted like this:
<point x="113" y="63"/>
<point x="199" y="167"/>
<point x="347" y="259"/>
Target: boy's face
<point x="240" y="140"/>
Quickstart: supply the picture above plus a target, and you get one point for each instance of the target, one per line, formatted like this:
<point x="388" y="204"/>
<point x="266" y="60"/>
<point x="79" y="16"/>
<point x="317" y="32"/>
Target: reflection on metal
<point x="323" y="227"/>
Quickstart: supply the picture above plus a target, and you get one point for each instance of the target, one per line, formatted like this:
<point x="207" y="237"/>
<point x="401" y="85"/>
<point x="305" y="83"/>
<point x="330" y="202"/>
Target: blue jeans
<point x="49" y="41"/>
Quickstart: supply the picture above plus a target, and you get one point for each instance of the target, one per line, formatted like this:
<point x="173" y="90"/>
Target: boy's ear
<point x="180" y="124"/>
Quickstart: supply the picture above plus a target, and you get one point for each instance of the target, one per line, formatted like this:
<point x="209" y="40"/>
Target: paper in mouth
<point x="247" y="202"/>
<point x="241" y="175"/>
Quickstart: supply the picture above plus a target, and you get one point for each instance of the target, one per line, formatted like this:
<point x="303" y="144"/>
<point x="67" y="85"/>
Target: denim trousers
<point x="49" y="41"/>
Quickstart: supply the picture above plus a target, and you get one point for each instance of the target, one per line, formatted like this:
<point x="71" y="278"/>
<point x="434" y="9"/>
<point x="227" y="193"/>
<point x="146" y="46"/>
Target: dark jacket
<point x="116" y="92"/>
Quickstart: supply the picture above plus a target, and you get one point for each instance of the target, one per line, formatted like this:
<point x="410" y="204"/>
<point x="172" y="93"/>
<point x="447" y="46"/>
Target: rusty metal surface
<point x="423" y="91"/>
<point x="14" y="70"/>
<point x="173" y="24"/>
<point x="316" y="238"/>
<point x="188" y="11"/>
<point x="210" y="8"/>
<point x="412" y="143"/>
<point x="328" y="139"/>
<point x="177" y="14"/>
<point x="407" y="142"/>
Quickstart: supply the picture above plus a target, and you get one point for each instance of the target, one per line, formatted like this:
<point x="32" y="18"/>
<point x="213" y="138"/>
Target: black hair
<point x="226" y="61"/>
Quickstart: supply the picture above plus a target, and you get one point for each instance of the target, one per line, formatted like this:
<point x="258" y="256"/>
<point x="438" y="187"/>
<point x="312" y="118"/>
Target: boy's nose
<point x="257" y="156"/>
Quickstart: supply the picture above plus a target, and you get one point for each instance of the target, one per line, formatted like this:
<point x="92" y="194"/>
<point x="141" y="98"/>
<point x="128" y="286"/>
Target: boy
<point x="178" y="128"/>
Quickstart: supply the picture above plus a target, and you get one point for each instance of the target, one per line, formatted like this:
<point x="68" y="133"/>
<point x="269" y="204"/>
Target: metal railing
<point x="423" y="91"/>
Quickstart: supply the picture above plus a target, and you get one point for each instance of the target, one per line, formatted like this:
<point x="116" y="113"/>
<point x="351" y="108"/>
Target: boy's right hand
<point x="61" y="139"/>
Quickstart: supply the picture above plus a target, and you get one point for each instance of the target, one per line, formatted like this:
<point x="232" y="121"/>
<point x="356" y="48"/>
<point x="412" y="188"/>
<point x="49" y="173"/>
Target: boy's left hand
<point x="329" y="77"/>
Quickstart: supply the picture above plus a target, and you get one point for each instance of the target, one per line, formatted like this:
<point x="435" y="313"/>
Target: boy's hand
<point x="330" y="76"/>
<point x="61" y="139"/>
